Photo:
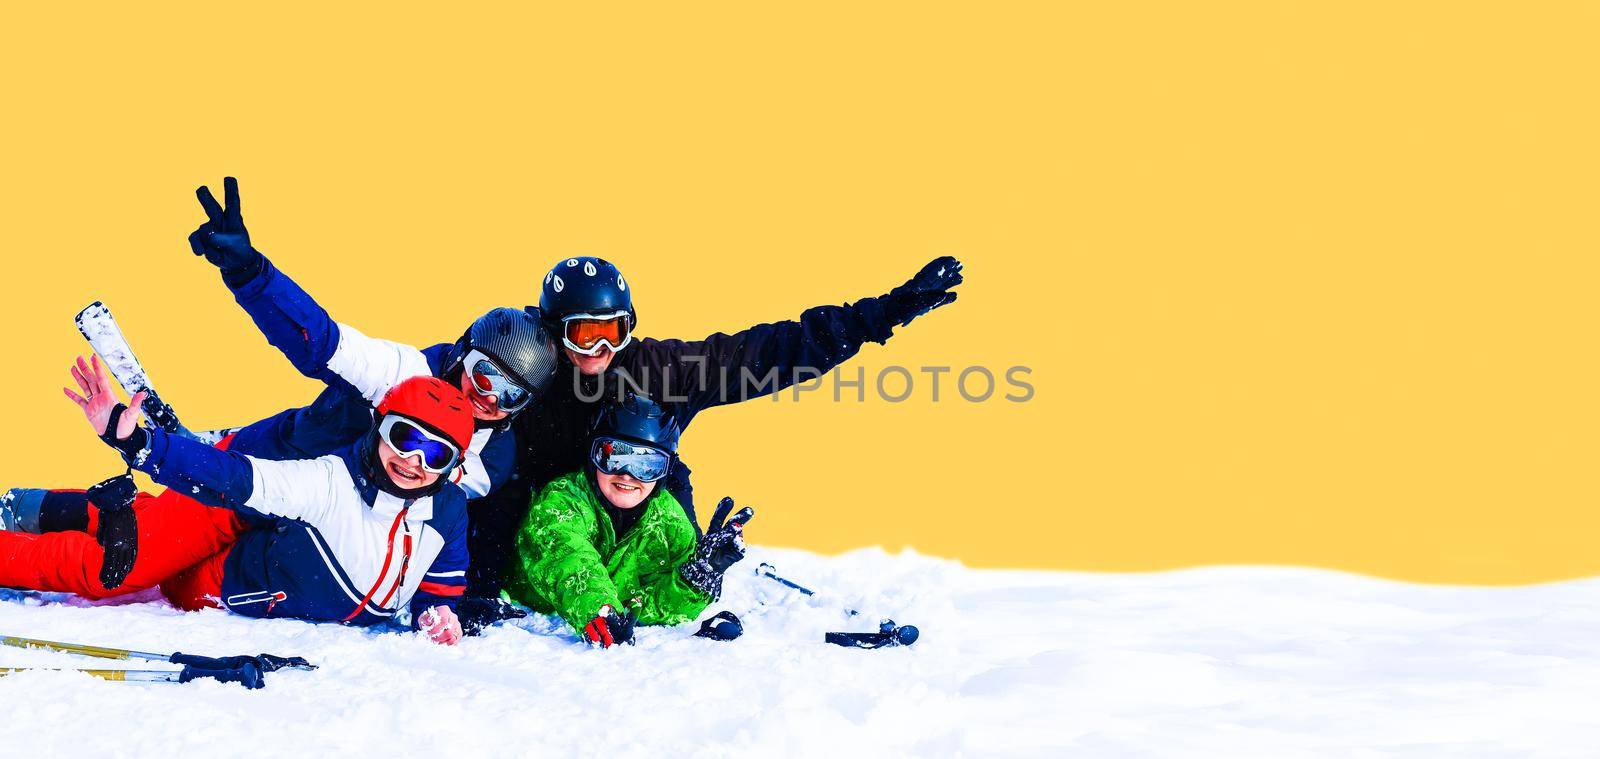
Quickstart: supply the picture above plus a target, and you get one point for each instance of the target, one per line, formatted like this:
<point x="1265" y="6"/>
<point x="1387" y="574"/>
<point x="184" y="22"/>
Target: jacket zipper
<point x="388" y="556"/>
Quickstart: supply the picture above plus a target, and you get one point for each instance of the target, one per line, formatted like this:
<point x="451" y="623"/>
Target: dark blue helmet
<point x="640" y="420"/>
<point x="585" y="285"/>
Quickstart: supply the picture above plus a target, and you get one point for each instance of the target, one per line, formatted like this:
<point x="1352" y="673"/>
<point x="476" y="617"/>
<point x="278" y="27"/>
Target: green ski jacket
<point x="570" y="562"/>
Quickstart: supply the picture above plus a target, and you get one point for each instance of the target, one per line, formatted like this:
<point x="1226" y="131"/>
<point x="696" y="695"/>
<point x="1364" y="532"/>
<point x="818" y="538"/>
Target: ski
<point x="100" y="328"/>
<point x="249" y="675"/>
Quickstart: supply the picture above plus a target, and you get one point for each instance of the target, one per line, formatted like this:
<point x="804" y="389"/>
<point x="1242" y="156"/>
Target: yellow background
<point x="1307" y="283"/>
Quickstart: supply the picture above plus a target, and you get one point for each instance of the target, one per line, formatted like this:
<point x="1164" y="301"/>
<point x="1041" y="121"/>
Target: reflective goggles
<point x="643" y="463"/>
<point x="487" y="379"/>
<point x="408" y="438"/>
<point x="585" y="333"/>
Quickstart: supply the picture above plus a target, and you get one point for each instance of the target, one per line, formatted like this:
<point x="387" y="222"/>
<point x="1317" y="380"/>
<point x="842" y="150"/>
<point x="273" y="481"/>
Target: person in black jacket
<point x="588" y="307"/>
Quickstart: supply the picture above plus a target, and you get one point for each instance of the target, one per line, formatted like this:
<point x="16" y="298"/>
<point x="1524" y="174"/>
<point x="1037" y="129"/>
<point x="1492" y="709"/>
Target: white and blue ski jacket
<point x="329" y="545"/>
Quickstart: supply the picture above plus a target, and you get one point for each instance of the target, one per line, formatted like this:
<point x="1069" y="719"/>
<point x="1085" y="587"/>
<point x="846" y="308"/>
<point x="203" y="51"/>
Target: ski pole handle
<point x="248" y="675"/>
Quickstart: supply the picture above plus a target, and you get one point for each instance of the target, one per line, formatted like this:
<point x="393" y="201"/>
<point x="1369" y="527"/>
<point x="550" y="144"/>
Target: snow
<point x="1223" y="662"/>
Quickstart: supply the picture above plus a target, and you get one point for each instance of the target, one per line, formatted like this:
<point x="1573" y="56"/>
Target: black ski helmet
<point x="584" y="285"/>
<point x="519" y="345"/>
<point x="640" y="420"/>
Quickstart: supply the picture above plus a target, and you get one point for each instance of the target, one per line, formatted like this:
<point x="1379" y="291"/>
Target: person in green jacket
<point x="606" y="549"/>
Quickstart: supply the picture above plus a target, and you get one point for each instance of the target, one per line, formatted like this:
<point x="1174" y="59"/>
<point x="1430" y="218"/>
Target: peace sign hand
<point x="222" y="239"/>
<point x="99" y="399"/>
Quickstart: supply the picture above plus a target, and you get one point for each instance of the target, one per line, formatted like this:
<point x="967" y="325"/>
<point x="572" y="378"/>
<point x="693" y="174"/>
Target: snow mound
<point x="1225" y="662"/>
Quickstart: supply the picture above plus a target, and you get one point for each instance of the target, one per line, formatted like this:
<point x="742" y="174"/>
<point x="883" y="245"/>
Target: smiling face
<point x="623" y="491"/>
<point x="405" y="471"/>
<point x="484" y="407"/>
<point x="590" y="365"/>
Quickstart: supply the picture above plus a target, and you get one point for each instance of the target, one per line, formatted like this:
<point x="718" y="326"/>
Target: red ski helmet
<point x="433" y="403"/>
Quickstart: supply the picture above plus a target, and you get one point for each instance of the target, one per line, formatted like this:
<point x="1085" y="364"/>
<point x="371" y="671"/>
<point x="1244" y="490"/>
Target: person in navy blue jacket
<point x="503" y="363"/>
<point x="588" y="306"/>
<point x="353" y="537"/>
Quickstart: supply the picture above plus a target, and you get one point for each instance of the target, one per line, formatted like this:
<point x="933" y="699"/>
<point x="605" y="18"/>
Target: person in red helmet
<point x="358" y="537"/>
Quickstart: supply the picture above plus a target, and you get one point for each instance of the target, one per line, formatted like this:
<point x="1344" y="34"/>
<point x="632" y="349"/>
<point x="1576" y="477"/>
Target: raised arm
<point x="766" y="358"/>
<point x="294" y="489"/>
<point x="292" y="321"/>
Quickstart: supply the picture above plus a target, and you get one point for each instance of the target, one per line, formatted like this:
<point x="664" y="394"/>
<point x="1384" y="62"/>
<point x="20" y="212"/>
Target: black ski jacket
<point x="685" y="377"/>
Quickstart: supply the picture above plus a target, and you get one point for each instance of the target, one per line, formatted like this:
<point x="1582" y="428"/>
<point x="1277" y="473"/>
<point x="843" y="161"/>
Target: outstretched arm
<point x="767" y="358"/>
<point x="295" y="489"/>
<point x="557" y="558"/>
<point x="433" y="608"/>
<point x="292" y="321"/>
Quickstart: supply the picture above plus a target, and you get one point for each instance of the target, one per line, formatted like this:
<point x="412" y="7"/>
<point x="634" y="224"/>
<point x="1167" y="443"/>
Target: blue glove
<point x="222" y="239"/>
<point x="928" y="290"/>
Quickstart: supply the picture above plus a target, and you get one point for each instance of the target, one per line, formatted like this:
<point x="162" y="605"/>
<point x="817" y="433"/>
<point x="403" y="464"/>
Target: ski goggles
<point x="487" y="379"/>
<point x="586" y="333"/>
<point x="641" y="462"/>
<point x="408" y="438"/>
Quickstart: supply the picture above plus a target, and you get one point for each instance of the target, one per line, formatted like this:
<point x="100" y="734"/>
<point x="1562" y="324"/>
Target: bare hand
<point x="441" y="625"/>
<point x="98" y="399"/>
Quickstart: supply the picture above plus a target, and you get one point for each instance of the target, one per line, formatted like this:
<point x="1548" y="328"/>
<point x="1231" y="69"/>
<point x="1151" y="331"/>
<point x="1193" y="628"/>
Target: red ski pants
<point x="182" y="544"/>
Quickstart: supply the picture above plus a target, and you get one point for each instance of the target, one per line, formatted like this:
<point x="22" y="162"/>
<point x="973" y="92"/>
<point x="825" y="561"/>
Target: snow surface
<point x="1224" y="662"/>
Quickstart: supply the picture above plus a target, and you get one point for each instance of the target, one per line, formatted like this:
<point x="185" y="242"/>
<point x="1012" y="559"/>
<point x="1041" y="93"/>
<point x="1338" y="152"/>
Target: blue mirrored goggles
<point x="487" y="379"/>
<point x="641" y="462"/>
<point x="408" y="439"/>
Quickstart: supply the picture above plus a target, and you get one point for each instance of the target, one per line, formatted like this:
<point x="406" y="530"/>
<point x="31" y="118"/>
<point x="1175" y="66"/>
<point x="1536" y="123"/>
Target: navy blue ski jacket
<point x="329" y="546"/>
<point x="358" y="370"/>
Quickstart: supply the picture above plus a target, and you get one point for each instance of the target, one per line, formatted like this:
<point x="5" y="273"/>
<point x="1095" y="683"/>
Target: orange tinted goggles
<point x="585" y="334"/>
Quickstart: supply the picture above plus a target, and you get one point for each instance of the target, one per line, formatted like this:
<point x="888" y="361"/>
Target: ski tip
<point x="92" y="307"/>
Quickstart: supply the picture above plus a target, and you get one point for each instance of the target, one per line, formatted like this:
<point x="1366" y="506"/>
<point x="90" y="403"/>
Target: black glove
<point x="118" y="533"/>
<point x="223" y="240"/>
<point x="132" y="446"/>
<point x="264" y="662"/>
<point x="724" y="625"/>
<point x="478" y="613"/>
<point x="610" y="628"/>
<point x="721" y="547"/>
<point x="925" y="292"/>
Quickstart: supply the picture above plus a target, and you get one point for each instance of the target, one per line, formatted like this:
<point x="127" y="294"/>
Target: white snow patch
<point x="1224" y="662"/>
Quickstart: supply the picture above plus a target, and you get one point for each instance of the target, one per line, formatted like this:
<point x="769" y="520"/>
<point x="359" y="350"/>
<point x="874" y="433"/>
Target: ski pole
<point x="248" y="675"/>
<point x="265" y="662"/>
<point x="768" y="571"/>
<point x="888" y="634"/>
<point x="73" y="648"/>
